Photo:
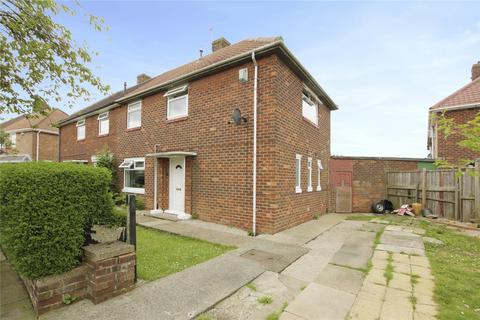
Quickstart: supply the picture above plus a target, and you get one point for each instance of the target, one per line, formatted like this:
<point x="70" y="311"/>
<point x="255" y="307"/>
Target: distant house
<point x="462" y="106"/>
<point x="185" y="140"/>
<point x="35" y="137"/>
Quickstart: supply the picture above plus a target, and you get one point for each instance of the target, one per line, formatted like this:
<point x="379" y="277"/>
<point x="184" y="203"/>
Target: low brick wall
<point x="108" y="270"/>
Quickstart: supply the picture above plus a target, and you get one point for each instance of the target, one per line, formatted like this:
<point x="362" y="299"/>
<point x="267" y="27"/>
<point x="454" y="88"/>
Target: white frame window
<point x="320" y="168"/>
<point x="103" y="124"/>
<point x="134" y="115"/>
<point x="81" y="130"/>
<point x="309" y="109"/>
<point x="177" y="98"/>
<point x="309" y="176"/>
<point x="13" y="139"/>
<point x="298" y="173"/>
<point x="133" y="166"/>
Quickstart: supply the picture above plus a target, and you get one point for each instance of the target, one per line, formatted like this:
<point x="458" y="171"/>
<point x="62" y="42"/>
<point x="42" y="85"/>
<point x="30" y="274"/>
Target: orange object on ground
<point x="417" y="208"/>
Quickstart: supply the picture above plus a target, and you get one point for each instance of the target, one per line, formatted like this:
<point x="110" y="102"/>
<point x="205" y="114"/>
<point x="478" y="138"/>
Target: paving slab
<point x="340" y="278"/>
<point x="395" y="311"/>
<point x="319" y="302"/>
<point x="308" y="267"/>
<point x="402" y="239"/>
<point x="396" y="296"/>
<point x="364" y="309"/>
<point x="398" y="249"/>
<point x="179" y="296"/>
<point x="355" y="256"/>
<point x="401" y="281"/>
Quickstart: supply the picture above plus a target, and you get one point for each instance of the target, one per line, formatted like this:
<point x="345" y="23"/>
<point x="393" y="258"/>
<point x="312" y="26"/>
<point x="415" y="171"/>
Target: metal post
<point x="132" y="224"/>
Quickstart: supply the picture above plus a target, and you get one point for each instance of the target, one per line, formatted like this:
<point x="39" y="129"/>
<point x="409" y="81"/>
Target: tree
<point x="469" y="131"/>
<point x="40" y="63"/>
<point x="4" y="141"/>
<point x="105" y="159"/>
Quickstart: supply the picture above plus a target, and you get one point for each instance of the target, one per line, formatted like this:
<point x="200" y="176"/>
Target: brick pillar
<point x="112" y="269"/>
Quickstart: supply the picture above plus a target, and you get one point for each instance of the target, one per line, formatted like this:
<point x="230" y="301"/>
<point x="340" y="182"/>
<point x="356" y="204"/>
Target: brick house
<point x="462" y="106"/>
<point x="186" y="139"/>
<point x="35" y="137"/>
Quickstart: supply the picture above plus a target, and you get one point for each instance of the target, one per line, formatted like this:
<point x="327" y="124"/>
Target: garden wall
<point x="366" y="178"/>
<point x="107" y="271"/>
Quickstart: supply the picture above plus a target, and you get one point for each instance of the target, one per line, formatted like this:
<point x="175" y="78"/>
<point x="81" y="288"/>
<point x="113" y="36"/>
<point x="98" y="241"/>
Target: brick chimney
<point x="219" y="44"/>
<point x="141" y="78"/>
<point x="476" y="71"/>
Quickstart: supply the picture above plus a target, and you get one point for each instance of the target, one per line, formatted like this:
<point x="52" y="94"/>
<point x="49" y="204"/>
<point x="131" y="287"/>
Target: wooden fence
<point x="446" y="192"/>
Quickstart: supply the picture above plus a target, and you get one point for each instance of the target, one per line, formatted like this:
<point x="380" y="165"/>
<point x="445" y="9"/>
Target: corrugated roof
<point x="218" y="57"/>
<point x="469" y="94"/>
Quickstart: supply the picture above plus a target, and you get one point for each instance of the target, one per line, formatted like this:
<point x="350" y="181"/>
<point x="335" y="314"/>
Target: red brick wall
<point x="221" y="173"/>
<point x="449" y="149"/>
<point x="48" y="147"/>
<point x="368" y="180"/>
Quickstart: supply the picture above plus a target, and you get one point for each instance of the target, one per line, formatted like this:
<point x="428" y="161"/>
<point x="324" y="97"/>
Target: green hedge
<point x="44" y="208"/>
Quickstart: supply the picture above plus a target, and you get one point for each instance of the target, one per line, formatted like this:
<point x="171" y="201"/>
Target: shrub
<point x="44" y="208"/>
<point x="106" y="160"/>
<point x="139" y="203"/>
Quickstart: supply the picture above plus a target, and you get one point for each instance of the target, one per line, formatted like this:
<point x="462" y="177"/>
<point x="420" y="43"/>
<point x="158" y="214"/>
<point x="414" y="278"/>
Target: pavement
<point x="329" y="268"/>
<point x="14" y="300"/>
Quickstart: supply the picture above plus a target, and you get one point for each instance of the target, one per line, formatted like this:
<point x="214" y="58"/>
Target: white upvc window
<point x="134" y="115"/>
<point x="81" y="129"/>
<point x="103" y="124"/>
<point x="320" y="168"/>
<point x="13" y="139"/>
<point x="298" y="173"/>
<point x="177" y="102"/>
<point x="134" y="175"/>
<point x="309" y="176"/>
<point x="309" y="109"/>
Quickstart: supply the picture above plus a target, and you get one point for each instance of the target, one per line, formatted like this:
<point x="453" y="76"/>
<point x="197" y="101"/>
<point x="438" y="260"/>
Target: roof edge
<point x="382" y="158"/>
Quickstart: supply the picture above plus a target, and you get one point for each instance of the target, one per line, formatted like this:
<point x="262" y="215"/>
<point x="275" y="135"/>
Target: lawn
<point x="160" y="254"/>
<point x="455" y="267"/>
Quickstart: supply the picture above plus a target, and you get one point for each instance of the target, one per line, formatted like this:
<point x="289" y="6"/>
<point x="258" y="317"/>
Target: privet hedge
<point x="43" y="210"/>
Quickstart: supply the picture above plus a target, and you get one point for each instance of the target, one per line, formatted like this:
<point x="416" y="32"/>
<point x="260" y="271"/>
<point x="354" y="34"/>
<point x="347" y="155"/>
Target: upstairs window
<point x="309" y="109"/>
<point x="103" y="124"/>
<point x="298" y="173"/>
<point x="309" y="176"/>
<point x="134" y="115"/>
<point x="177" y="103"/>
<point x="320" y="168"/>
<point x="81" y="129"/>
<point x="13" y="139"/>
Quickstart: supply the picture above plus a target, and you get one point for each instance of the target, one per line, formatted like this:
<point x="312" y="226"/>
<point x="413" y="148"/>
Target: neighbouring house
<point x="33" y="137"/>
<point x="239" y="137"/>
<point x="462" y="106"/>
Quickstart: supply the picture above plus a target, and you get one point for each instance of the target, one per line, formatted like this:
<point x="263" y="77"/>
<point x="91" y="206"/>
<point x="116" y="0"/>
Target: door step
<point x="163" y="215"/>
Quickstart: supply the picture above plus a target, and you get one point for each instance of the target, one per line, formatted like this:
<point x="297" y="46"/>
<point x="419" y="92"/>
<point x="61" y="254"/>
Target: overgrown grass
<point x="456" y="269"/>
<point x="251" y="286"/>
<point x="160" y="254"/>
<point x="276" y="315"/>
<point x="265" y="300"/>
<point x="388" y="274"/>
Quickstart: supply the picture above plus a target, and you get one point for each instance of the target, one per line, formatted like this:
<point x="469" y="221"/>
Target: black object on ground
<point x="382" y="206"/>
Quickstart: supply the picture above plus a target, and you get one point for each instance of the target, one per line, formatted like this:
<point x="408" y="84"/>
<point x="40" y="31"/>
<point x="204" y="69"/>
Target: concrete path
<point x="192" y="291"/>
<point x="14" y="301"/>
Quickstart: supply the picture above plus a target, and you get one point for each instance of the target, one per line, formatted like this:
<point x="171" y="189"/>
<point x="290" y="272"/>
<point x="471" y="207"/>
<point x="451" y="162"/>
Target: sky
<point x="383" y="63"/>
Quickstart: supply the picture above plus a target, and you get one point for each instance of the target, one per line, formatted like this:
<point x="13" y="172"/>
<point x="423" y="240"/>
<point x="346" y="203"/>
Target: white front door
<point x="176" y="186"/>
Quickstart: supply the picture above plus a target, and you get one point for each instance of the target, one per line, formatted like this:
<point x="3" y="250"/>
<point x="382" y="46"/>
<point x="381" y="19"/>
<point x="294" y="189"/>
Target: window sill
<point x="319" y="189"/>
<point x="172" y="120"/>
<point x="102" y="135"/>
<point x="310" y="122"/>
<point x="133" y="129"/>
<point x="310" y="189"/>
<point x="81" y="139"/>
<point x="134" y="190"/>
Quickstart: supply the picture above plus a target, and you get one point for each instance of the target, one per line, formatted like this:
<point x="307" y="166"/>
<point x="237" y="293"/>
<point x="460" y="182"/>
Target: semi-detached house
<point x="239" y="137"/>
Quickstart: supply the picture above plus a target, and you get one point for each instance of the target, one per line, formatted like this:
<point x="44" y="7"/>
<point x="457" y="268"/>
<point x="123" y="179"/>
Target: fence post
<point x="477" y="190"/>
<point x="424" y="187"/>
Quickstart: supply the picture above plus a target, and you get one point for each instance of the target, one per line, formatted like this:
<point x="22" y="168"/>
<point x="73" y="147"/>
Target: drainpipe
<point x="254" y="191"/>
<point x="38" y="143"/>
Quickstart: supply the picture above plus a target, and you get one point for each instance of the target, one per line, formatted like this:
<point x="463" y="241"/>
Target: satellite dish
<point x="237" y="117"/>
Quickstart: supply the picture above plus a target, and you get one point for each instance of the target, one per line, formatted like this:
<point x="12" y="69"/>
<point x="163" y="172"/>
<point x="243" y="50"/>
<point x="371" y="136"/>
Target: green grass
<point x="456" y="269"/>
<point x="160" y="254"/>
<point x="361" y="217"/>
<point x="265" y="300"/>
<point x="276" y="315"/>
<point x="388" y="274"/>
<point x="251" y="286"/>
<point x="204" y="317"/>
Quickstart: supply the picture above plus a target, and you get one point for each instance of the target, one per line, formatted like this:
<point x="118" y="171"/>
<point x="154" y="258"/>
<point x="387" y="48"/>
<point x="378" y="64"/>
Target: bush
<point x="44" y="208"/>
